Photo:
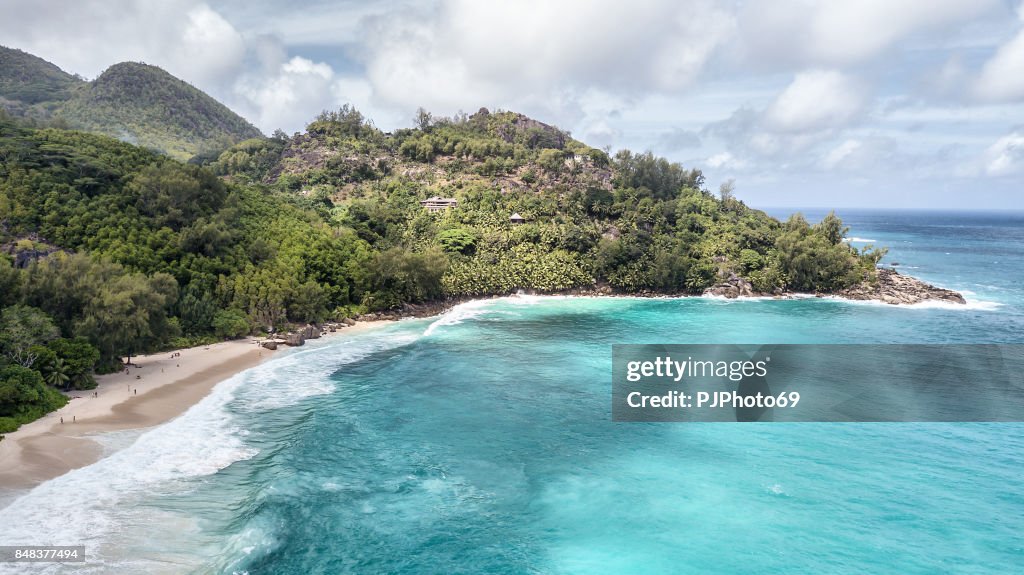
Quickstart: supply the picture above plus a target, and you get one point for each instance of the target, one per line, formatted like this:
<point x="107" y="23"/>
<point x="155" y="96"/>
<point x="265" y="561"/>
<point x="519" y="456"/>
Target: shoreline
<point x="935" y="296"/>
<point x="46" y="448"/>
<point x="161" y="388"/>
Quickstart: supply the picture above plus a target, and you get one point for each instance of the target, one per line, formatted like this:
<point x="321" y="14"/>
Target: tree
<point x="457" y="240"/>
<point x="23" y="394"/>
<point x="811" y="261"/>
<point x="10" y="282"/>
<point x="230" y="323"/>
<point x="79" y="358"/>
<point x="129" y="314"/>
<point x="424" y="119"/>
<point x="726" y="191"/>
<point x="551" y="160"/>
<point x="57" y="374"/>
<point x="831" y="227"/>
<point x="21" y="328"/>
<point x="119" y="312"/>
<point x="175" y="194"/>
<point x="400" y="276"/>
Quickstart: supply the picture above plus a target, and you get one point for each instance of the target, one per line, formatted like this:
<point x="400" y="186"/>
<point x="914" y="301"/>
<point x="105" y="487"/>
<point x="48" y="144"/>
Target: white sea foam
<point x="104" y="505"/>
<point x="89" y="506"/>
<point x="860" y="240"/>
<point x="523" y="298"/>
<point x="971" y="305"/>
<point x="459" y="314"/>
<point x="756" y="298"/>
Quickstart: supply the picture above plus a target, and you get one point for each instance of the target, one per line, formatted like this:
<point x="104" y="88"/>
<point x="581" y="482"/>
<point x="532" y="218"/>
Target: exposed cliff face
<point x="894" y="288"/>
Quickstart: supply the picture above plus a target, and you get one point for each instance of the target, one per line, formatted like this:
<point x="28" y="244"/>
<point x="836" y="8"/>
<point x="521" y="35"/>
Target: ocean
<point x="481" y="441"/>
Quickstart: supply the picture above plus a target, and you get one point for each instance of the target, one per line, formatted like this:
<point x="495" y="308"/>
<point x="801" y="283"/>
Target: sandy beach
<point x="156" y="389"/>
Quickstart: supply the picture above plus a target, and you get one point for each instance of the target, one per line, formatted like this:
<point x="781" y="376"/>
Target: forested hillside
<point x="147" y="106"/>
<point x="31" y="86"/>
<point x="109" y="248"/>
<point x="130" y="101"/>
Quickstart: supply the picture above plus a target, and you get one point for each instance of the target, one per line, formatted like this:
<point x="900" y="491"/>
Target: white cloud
<point x="1006" y="155"/>
<point x="840" y="32"/>
<point x="1002" y="77"/>
<point x="678" y="139"/>
<point x="465" y="54"/>
<point x="841" y="153"/>
<point x="814" y="109"/>
<point x="186" y="37"/>
<point x="210" y="47"/>
<point x="816" y="99"/>
<point x="613" y="73"/>
<point x="725" y="161"/>
<point x="287" y="97"/>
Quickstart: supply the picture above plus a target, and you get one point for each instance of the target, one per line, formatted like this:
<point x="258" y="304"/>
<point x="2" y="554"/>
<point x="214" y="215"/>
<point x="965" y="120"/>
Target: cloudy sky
<point x="839" y="103"/>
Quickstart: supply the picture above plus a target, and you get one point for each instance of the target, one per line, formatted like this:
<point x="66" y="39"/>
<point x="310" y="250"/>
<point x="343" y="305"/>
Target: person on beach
<point x="62" y="421"/>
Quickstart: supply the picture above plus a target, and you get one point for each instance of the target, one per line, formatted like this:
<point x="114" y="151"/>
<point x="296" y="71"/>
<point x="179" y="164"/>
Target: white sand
<point x="162" y="387"/>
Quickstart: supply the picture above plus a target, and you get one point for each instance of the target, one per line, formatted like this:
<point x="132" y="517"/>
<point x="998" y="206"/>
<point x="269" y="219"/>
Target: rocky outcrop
<point x="295" y="339"/>
<point x="732" y="287"/>
<point x="895" y="288"/>
<point x="28" y="249"/>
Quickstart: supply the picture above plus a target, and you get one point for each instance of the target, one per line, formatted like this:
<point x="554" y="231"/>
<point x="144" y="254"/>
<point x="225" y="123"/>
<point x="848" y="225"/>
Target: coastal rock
<point x="732" y="287"/>
<point x="311" y="332"/>
<point x="894" y="288"/>
<point x="295" y="339"/>
<point x="270" y="344"/>
<point x="348" y="321"/>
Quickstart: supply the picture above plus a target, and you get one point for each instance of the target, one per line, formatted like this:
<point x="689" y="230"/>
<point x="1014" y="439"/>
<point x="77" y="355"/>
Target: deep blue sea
<point x="481" y="441"/>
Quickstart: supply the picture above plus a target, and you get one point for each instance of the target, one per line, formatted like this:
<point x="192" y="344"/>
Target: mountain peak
<point x="28" y="79"/>
<point x="133" y="101"/>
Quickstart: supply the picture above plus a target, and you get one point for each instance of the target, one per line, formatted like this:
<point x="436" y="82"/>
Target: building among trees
<point x="439" y="204"/>
<point x="515" y="219"/>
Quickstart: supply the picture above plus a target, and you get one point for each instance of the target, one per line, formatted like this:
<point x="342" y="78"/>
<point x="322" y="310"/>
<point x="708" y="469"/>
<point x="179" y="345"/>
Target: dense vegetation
<point x="112" y="249"/>
<point x="130" y="101"/>
<point x="30" y="80"/>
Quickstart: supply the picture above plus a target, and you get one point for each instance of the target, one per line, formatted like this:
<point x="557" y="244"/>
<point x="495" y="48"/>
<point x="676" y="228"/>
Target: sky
<point x="804" y="103"/>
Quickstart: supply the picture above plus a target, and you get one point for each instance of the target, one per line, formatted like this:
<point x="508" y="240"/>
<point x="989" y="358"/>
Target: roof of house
<point x="516" y="216"/>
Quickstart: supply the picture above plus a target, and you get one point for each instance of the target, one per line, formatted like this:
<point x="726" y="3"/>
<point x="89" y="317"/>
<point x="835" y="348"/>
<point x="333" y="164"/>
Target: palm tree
<point x="58" y="375"/>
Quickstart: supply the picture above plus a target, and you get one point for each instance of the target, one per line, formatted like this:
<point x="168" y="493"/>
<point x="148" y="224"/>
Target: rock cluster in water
<point x="892" y="287"/>
<point x="732" y="287"/>
<point x="889" y="287"/>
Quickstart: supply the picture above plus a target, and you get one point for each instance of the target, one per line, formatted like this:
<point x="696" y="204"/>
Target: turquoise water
<point x="482" y="442"/>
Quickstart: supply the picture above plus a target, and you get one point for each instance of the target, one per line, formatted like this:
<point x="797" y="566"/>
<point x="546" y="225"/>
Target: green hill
<point x="133" y="102"/>
<point x="31" y="86"/>
<point x="108" y="248"/>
